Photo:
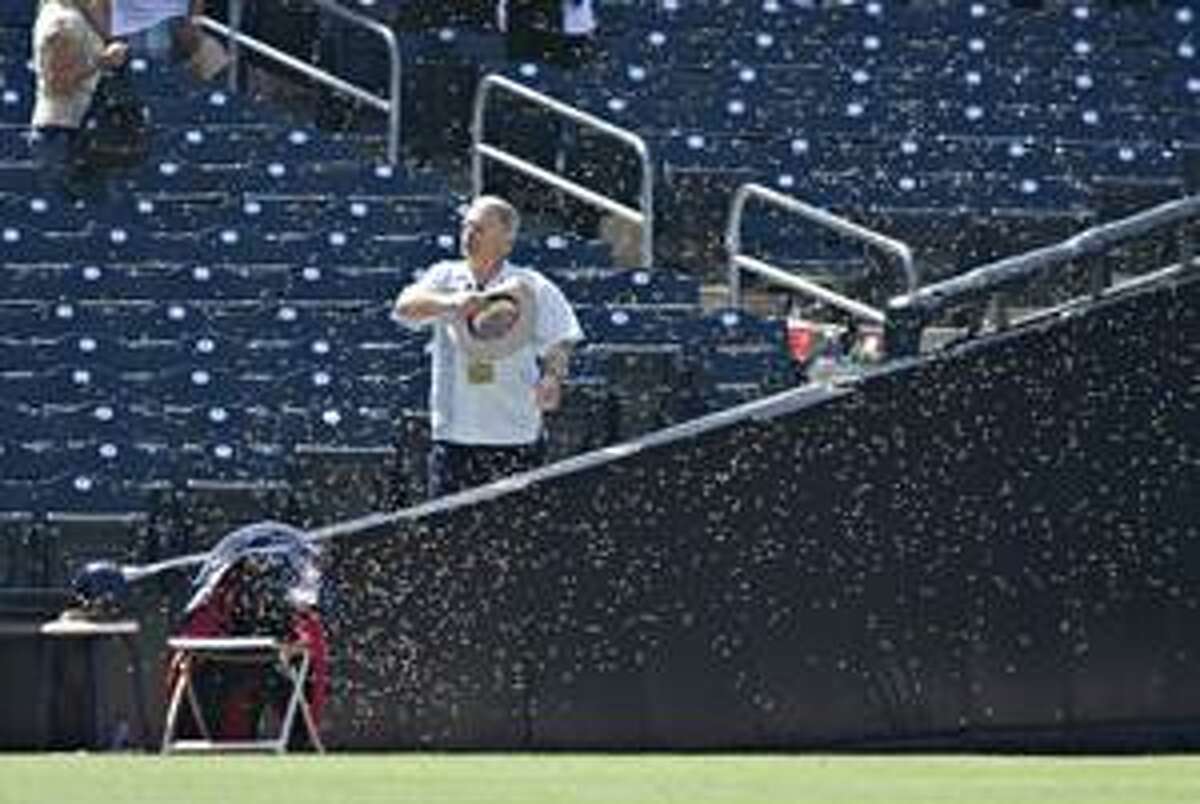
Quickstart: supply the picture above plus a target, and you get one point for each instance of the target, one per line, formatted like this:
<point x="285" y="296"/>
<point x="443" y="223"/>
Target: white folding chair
<point x="291" y="660"/>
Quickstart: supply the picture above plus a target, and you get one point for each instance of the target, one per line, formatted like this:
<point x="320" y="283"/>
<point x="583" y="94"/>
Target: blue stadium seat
<point x="655" y="286"/>
<point x="1178" y="92"/>
<point x="49" y="212"/>
<point x="245" y="244"/>
<point x="1038" y="196"/>
<point x="172" y="176"/>
<point x="211" y="283"/>
<point x="215" y="421"/>
<point x="277" y="215"/>
<point x="16" y="104"/>
<point x="200" y="144"/>
<point x="138" y="359"/>
<point x="231" y="461"/>
<point x="126" y="464"/>
<point x="759" y="365"/>
<point x="170" y="213"/>
<point x="1023" y="156"/>
<point x="370" y="341"/>
<point x="388" y="215"/>
<point x="693" y="149"/>
<point x="205" y="106"/>
<point x="561" y="251"/>
<point x="356" y="179"/>
<point x="14" y="23"/>
<point x="157" y="81"/>
<point x="132" y="320"/>
<point x="47" y="281"/>
<point x="30" y="460"/>
<point x="270" y="319"/>
<point x="14" y="143"/>
<point x="60" y="383"/>
<point x="387" y="392"/>
<point x="1131" y="161"/>
<point x="628" y="324"/>
<point x="18" y="503"/>
<point x="316" y="283"/>
<point x="98" y="491"/>
<point x="103" y="419"/>
<point x="332" y="424"/>
<point x="801" y="154"/>
<point x="584" y="286"/>
<point x="1077" y="122"/>
<point x="736" y="327"/>
<point x="199" y="384"/>
<point x="261" y="142"/>
<point x="28" y="244"/>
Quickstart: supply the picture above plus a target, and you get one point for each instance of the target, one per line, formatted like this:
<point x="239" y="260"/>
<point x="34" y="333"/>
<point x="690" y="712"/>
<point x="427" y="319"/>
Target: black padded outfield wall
<point x="1001" y="544"/>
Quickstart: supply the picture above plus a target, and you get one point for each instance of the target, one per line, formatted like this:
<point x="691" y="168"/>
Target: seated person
<point x="261" y="580"/>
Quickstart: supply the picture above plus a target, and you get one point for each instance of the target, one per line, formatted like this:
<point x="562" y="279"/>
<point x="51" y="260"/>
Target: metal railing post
<point x="739" y="262"/>
<point x="477" y="134"/>
<point x="395" y="99"/>
<point x="480" y="149"/>
<point x="391" y="105"/>
<point x="914" y="309"/>
<point x="235" y="50"/>
<point x="648" y="222"/>
<point x="1096" y="240"/>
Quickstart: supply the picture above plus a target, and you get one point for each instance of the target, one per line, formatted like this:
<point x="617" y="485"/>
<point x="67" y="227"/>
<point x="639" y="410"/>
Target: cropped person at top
<point x="502" y="338"/>
<point x="558" y="32"/>
<point x="167" y="31"/>
<point x="69" y="52"/>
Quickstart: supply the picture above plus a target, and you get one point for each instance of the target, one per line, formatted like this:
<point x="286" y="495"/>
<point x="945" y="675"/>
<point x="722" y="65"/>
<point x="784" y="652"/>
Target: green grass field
<point x="622" y="779"/>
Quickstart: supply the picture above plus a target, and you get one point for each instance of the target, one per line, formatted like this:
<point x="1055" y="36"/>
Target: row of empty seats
<point x="229" y="305"/>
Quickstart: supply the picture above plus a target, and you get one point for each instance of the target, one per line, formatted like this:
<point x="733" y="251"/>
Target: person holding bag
<point x="70" y="53"/>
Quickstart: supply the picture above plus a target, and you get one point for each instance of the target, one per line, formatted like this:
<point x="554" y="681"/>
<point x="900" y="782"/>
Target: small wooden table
<point x="92" y="632"/>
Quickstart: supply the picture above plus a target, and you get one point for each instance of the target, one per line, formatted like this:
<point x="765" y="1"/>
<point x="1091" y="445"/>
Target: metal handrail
<point x="481" y="149"/>
<point x="909" y="313"/>
<point x="739" y="262"/>
<point x="390" y="105"/>
<point x="988" y="278"/>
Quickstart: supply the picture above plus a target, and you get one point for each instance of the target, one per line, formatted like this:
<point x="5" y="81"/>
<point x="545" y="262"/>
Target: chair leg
<point x="183" y="688"/>
<point x="310" y="724"/>
<point x="197" y="711"/>
<point x="177" y="692"/>
<point x="298" y="676"/>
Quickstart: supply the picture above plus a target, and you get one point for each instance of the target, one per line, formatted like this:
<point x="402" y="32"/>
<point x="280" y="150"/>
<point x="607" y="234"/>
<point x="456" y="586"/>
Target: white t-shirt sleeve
<point x="438" y="276"/>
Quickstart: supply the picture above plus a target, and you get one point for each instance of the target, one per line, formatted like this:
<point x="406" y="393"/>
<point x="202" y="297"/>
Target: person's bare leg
<point x="187" y="33"/>
<point x="205" y="55"/>
<point x="187" y="38"/>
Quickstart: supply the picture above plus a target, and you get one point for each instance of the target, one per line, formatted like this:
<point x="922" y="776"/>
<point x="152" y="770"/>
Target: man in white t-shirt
<point x="502" y="338"/>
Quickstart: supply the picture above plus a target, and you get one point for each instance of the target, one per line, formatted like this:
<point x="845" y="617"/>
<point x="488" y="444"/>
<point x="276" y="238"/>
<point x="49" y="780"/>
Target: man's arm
<point x="64" y="68"/>
<point x="556" y="360"/>
<point x="555" y="363"/>
<point x="420" y="303"/>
